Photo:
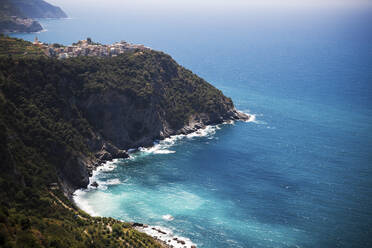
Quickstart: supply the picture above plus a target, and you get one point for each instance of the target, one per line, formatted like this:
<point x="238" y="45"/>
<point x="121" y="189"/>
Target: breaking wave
<point x="167" y="236"/>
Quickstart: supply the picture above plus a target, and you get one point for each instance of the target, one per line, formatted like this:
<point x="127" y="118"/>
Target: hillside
<point x="18" y="48"/>
<point x="17" y="15"/>
<point x="38" y="9"/>
<point x="61" y="118"/>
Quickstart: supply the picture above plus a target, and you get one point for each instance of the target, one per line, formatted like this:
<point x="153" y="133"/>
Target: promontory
<point x="60" y="118"/>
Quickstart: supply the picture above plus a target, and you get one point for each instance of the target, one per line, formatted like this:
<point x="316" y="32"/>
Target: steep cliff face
<point x="80" y="112"/>
<point x="128" y="122"/>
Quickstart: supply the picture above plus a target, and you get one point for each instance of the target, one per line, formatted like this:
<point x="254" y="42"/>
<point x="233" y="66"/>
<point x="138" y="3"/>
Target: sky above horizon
<point x="169" y="9"/>
<point x="215" y="3"/>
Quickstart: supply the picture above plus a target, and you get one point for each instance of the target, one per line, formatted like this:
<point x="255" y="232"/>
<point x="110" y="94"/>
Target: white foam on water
<point x="207" y="131"/>
<point x="166" y="235"/>
<point x="253" y="117"/>
<point x="82" y="203"/>
<point x="164" y="151"/>
<point x="114" y="181"/>
<point x="106" y="167"/>
<point x="168" y="217"/>
<point x="162" y="146"/>
<point x="159" y="147"/>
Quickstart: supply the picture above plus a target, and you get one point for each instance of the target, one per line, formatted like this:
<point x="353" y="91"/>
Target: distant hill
<point x="16" y="15"/>
<point x="8" y="8"/>
<point x="38" y="9"/>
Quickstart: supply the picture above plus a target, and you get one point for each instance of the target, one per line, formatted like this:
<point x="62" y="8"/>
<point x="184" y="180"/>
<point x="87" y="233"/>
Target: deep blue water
<point x="300" y="175"/>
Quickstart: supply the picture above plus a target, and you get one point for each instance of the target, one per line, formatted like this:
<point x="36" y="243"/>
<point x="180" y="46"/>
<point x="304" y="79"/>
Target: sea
<point x="298" y="174"/>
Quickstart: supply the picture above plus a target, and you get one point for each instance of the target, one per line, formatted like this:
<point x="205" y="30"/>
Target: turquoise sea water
<point x="300" y="175"/>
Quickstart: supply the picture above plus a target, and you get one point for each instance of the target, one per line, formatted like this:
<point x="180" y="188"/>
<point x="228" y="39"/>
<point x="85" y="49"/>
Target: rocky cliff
<point x="147" y="96"/>
<point x="59" y="119"/>
<point x="84" y="111"/>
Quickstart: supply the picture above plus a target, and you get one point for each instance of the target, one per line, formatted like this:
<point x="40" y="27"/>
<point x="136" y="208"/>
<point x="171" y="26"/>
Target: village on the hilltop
<point x="87" y="48"/>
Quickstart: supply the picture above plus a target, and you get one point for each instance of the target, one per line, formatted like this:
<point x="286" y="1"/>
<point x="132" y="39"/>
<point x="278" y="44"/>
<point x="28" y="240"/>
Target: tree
<point x="117" y="230"/>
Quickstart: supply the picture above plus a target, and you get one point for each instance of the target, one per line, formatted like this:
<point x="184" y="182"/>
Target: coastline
<point x="165" y="236"/>
<point x="190" y="130"/>
<point x="162" y="234"/>
<point x="111" y="152"/>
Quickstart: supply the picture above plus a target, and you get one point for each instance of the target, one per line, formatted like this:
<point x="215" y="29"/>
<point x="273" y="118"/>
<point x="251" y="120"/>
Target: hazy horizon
<point x="208" y="5"/>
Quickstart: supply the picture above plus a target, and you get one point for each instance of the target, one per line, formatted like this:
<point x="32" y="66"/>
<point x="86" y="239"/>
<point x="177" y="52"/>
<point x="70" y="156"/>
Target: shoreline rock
<point x="110" y="152"/>
<point x="94" y="184"/>
<point x="78" y="178"/>
<point x="167" y="238"/>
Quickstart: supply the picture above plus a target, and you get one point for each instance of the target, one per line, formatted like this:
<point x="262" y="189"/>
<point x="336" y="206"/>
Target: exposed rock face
<point x="121" y="124"/>
<point x="75" y="174"/>
<point x="127" y="126"/>
<point x="95" y="184"/>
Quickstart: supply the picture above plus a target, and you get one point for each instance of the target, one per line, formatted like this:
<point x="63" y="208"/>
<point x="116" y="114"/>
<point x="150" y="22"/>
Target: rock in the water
<point x="106" y="156"/>
<point x="121" y="154"/>
<point x="137" y="224"/>
<point x="94" y="184"/>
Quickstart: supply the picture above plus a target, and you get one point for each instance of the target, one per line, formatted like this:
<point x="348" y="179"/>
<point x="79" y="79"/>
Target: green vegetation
<point x="43" y="129"/>
<point x="18" y="48"/>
